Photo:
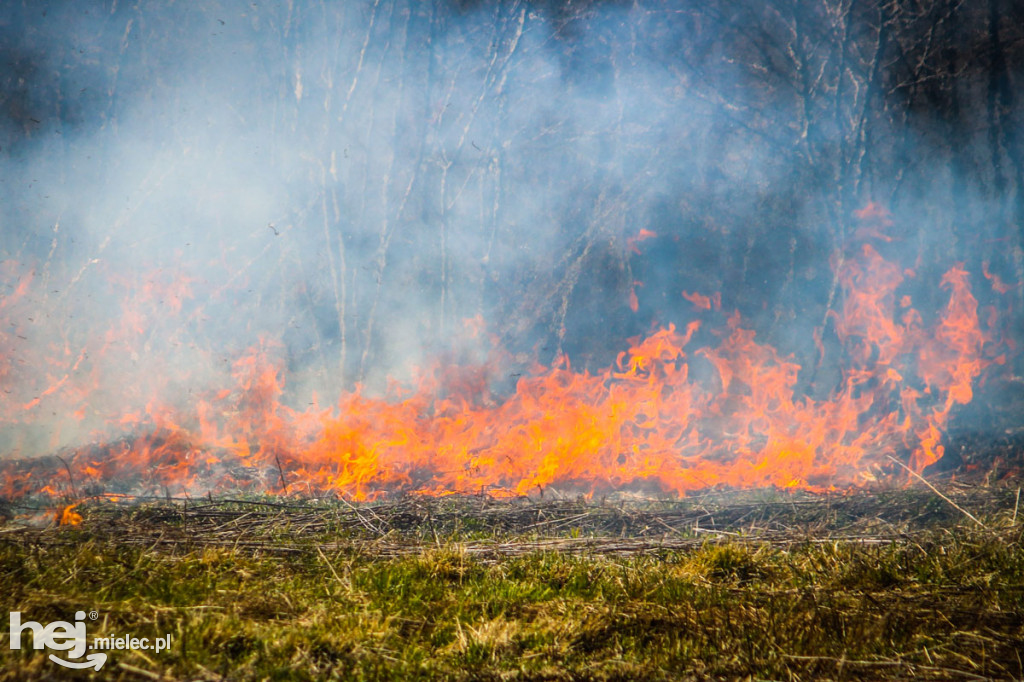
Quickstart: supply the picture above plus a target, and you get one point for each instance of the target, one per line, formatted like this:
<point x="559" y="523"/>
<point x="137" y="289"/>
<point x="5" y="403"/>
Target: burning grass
<point x="683" y="410"/>
<point x="888" y="584"/>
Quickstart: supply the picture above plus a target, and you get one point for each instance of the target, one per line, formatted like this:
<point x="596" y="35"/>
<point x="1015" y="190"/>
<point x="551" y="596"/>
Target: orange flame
<point x="647" y="421"/>
<point x="67" y="516"/>
<point x="631" y="242"/>
<point x="702" y="302"/>
<point x="998" y="285"/>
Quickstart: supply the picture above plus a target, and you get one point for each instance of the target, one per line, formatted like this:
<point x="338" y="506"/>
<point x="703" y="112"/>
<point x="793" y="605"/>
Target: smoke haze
<point x="349" y="186"/>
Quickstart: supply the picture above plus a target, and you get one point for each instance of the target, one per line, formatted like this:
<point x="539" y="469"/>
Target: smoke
<point x="345" y="185"/>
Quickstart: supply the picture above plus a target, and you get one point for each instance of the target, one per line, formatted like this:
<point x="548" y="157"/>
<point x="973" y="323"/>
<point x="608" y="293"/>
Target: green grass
<point x="940" y="600"/>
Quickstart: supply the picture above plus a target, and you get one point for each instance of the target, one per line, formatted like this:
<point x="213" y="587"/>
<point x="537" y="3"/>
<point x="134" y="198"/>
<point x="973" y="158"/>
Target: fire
<point x="701" y="302"/>
<point x="67" y="516"/>
<point x="631" y="242"/>
<point x="998" y="285"/>
<point x="646" y="421"/>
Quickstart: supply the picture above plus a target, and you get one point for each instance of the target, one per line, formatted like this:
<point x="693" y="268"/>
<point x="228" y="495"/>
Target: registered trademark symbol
<point x="93" y="615"/>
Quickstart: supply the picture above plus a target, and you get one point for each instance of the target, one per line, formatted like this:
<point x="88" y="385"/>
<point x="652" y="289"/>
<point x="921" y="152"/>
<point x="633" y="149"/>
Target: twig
<point x="330" y="566"/>
<point x="280" y="469"/>
<point x="670" y="528"/>
<point x="430" y="520"/>
<point x="71" y="479"/>
<point x="369" y="526"/>
<point x="140" y="671"/>
<point x="935" y="490"/>
<point x="258" y="503"/>
<point x="893" y="663"/>
<point x="712" y="530"/>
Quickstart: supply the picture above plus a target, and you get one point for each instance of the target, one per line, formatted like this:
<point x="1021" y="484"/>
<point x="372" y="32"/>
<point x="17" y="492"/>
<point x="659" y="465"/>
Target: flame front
<point x="645" y="422"/>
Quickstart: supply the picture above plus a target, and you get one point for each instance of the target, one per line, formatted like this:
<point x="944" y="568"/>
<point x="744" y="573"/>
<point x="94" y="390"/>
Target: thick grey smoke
<point x="345" y="184"/>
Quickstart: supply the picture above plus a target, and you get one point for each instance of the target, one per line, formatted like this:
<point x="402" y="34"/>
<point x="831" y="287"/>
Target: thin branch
<point x="935" y="490"/>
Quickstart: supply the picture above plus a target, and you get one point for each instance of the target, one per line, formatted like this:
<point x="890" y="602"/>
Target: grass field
<point x="888" y="584"/>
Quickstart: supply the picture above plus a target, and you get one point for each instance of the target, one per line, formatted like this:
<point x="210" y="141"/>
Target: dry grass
<point x="890" y="584"/>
